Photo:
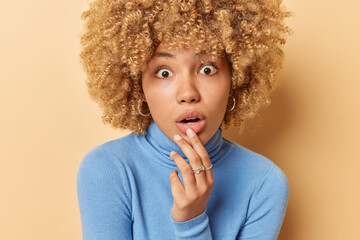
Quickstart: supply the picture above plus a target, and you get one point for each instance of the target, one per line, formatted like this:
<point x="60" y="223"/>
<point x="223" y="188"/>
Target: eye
<point x="208" y="70"/>
<point x="163" y="73"/>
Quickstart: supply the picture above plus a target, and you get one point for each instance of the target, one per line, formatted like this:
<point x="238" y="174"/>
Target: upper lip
<point x="190" y="114"/>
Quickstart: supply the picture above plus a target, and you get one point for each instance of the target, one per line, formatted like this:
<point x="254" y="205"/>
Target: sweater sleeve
<point x="104" y="197"/>
<point x="196" y="228"/>
<point x="267" y="207"/>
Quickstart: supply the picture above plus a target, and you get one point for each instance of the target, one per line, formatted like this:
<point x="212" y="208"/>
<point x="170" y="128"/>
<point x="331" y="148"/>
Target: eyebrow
<point x="169" y="55"/>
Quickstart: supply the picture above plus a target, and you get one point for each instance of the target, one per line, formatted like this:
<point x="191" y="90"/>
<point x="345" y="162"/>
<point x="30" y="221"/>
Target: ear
<point x="143" y="97"/>
<point x="141" y="90"/>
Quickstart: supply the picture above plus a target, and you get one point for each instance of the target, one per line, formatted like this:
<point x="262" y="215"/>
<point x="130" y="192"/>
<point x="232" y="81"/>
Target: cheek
<point x="157" y="97"/>
<point x="153" y="90"/>
<point x="217" y="95"/>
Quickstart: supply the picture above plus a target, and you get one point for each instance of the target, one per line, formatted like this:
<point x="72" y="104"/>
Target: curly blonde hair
<point x="121" y="36"/>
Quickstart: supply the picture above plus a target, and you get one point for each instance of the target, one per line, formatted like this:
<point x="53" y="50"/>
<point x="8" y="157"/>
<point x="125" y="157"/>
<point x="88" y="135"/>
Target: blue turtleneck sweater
<point x="124" y="192"/>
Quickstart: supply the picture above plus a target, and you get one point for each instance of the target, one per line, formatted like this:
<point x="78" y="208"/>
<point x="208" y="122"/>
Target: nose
<point x="187" y="91"/>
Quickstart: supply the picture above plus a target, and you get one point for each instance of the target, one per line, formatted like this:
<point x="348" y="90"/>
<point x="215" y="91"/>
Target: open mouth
<point x="194" y="120"/>
<point x="190" y="121"/>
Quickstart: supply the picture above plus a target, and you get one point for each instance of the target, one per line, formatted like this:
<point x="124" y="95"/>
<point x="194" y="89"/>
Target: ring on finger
<point x="198" y="170"/>
<point x="208" y="168"/>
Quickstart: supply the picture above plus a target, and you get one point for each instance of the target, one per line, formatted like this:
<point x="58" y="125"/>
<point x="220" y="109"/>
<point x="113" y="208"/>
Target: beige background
<point x="48" y="122"/>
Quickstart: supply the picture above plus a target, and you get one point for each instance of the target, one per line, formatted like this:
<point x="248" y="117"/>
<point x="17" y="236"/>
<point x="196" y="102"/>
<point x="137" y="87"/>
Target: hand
<point x="190" y="197"/>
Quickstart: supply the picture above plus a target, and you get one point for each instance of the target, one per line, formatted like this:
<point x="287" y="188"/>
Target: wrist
<point x="182" y="216"/>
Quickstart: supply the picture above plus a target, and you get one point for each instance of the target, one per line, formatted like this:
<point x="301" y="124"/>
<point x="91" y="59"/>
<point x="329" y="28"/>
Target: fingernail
<point x="177" y="137"/>
<point x="172" y="153"/>
<point x="190" y="132"/>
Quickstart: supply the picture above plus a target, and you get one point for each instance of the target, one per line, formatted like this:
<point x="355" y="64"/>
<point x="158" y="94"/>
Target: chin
<point x="204" y="138"/>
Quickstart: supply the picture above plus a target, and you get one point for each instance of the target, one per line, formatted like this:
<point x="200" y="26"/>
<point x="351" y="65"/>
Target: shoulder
<point x="111" y="152"/>
<point x="265" y="187"/>
<point x="103" y="184"/>
<point x="108" y="161"/>
<point x="256" y="168"/>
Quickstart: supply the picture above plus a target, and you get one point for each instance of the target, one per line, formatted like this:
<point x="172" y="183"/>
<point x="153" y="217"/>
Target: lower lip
<point x="196" y="127"/>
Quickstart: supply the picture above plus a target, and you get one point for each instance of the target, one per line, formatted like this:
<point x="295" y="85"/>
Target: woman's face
<point x="184" y="90"/>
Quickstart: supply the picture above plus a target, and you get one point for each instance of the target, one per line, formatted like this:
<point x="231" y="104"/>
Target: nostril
<point x="188" y="100"/>
<point x="192" y="100"/>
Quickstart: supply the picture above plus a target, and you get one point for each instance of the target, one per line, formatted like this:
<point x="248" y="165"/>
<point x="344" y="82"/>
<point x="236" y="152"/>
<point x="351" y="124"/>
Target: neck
<point x="163" y="145"/>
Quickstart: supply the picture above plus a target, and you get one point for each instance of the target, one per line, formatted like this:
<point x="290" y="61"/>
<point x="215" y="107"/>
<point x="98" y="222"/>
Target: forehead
<point x="167" y="54"/>
<point x="163" y="52"/>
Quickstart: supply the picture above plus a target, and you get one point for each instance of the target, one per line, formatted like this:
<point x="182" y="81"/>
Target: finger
<point x="185" y="170"/>
<point x="194" y="158"/>
<point x="201" y="151"/>
<point x="177" y="188"/>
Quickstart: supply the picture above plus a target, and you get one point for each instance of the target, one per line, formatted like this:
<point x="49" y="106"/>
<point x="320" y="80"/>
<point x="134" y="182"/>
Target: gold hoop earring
<point x="233" y="106"/>
<point x="144" y="115"/>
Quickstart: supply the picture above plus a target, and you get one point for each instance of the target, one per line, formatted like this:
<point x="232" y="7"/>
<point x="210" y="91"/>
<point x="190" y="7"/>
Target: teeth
<point x="190" y="120"/>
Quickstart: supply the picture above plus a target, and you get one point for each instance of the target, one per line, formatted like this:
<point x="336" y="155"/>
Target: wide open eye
<point x="208" y="70"/>
<point x="163" y="73"/>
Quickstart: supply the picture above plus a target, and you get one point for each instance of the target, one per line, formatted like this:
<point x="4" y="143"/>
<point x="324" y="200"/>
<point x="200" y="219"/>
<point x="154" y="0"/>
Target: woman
<point x="174" y="72"/>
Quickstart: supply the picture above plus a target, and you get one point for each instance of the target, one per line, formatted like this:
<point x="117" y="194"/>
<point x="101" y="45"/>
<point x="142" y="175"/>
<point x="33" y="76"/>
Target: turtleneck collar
<point x="159" y="142"/>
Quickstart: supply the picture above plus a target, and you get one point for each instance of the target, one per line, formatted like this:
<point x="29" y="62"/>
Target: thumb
<point x="177" y="187"/>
